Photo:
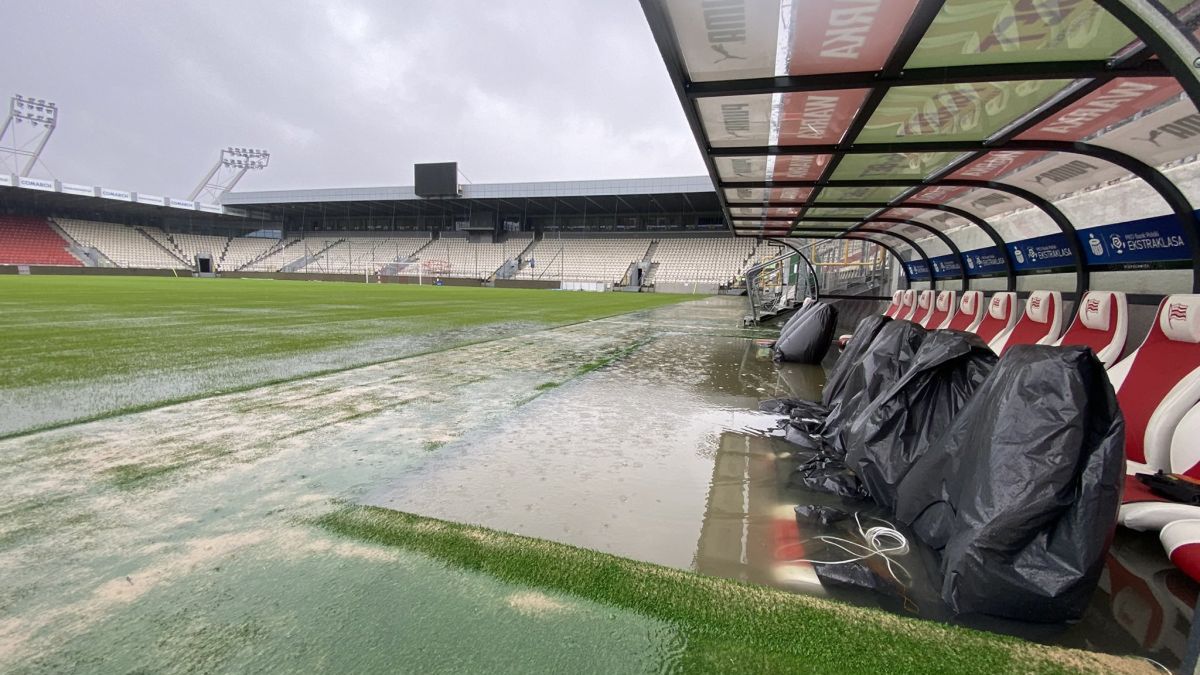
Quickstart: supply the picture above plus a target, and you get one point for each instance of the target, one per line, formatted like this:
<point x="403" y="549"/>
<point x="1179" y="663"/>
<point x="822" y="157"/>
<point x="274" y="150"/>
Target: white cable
<point x="882" y="541"/>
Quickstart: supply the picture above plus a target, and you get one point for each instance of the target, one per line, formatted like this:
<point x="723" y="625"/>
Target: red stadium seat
<point x="1041" y="324"/>
<point x="893" y="308"/>
<point x="1181" y="539"/>
<point x="908" y="305"/>
<point x="1102" y="323"/>
<point x="1158" y="387"/>
<point x="943" y="311"/>
<point x="925" y="300"/>
<point x="970" y="312"/>
<point x="1000" y="317"/>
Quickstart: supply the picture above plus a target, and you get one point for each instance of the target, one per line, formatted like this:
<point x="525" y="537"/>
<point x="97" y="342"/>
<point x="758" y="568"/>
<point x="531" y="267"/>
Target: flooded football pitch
<point x="180" y="539"/>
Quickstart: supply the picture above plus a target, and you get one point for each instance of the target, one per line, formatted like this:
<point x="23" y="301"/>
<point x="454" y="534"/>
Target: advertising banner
<point x="946" y="267"/>
<point x="1114" y="102"/>
<point x="36" y="184"/>
<point x="119" y="195"/>
<point x="8" y="179"/>
<point x="1013" y="32"/>
<point x="1041" y="253"/>
<point x="1149" y="240"/>
<point x="726" y="40"/>
<point x="818" y="117"/>
<point x="152" y="200"/>
<point x="1162" y="136"/>
<point x="842" y="36"/>
<point x="799" y="167"/>
<point x="984" y="262"/>
<point x="917" y="271"/>
<point x="181" y="204"/>
<point x="81" y="190"/>
<point x="210" y="208"/>
<point x="736" y="120"/>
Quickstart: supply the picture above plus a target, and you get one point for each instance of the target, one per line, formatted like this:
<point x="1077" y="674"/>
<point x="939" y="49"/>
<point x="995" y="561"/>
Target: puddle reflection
<point x="663" y="457"/>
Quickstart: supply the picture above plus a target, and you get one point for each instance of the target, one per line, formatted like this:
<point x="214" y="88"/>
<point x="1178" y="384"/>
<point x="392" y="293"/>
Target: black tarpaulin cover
<point x="882" y="364"/>
<point x="895" y="429"/>
<point x="835" y="382"/>
<point x="864" y="335"/>
<point x="795" y="318"/>
<point x="1021" y="491"/>
<point x="811" y="338"/>
<point x="823" y="467"/>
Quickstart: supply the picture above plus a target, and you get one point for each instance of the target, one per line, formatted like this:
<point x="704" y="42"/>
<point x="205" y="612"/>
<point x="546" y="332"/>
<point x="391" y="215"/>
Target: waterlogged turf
<point x="77" y="347"/>
<point x="723" y="626"/>
<point x="220" y="535"/>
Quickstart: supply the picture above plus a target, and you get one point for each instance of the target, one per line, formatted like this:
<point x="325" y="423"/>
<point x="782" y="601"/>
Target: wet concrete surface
<point x="178" y="536"/>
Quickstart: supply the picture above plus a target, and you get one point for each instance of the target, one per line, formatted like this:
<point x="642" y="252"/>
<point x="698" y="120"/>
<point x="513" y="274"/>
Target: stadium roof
<point x="671" y="195"/>
<point x="933" y="118"/>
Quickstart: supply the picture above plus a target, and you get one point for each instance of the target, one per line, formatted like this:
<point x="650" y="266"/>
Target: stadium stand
<point x="584" y="259"/>
<point x="719" y="261"/>
<point x="695" y="259"/>
<point x="366" y="254"/>
<point x="124" y="246"/>
<point x="32" y="241"/>
<point x="243" y="251"/>
<point x="188" y="246"/>
<point x="463" y="258"/>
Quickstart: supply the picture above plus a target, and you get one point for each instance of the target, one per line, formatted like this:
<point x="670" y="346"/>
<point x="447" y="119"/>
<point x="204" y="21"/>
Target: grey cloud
<point x="347" y="93"/>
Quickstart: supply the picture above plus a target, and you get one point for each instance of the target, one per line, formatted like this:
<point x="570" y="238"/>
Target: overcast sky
<point x="346" y="93"/>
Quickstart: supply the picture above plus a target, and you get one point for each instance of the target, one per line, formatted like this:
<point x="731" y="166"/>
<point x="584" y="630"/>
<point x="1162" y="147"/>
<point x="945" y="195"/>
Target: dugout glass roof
<point x="941" y="122"/>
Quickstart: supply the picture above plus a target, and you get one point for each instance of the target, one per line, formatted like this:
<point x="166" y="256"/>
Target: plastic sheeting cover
<point x="864" y="335"/>
<point x="811" y="338"/>
<point x="835" y="382"/>
<point x="1021" y="492"/>
<point x="883" y="363"/>
<point x="895" y="429"/>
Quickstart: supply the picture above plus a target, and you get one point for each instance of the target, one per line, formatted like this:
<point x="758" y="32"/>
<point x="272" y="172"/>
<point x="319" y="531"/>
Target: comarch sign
<point x="119" y="195"/>
<point x="181" y="204"/>
<point x="36" y="184"/>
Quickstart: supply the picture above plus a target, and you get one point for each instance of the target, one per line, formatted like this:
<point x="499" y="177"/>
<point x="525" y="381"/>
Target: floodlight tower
<point x="229" y="169"/>
<point x="41" y="116"/>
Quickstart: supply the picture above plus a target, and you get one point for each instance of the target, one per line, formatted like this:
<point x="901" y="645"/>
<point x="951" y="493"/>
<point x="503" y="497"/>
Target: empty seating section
<point x="599" y="259"/>
<point x="32" y="241"/>
<point x="718" y="260"/>
<point x="123" y="245"/>
<point x="188" y="246"/>
<point x="278" y="254"/>
<point x="459" y="257"/>
<point x="362" y="255"/>
<point x="308" y="255"/>
<point x="244" y="250"/>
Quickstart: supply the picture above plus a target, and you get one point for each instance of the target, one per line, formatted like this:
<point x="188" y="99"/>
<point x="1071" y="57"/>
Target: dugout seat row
<point x="1101" y="322"/>
<point x="1157" y="386"/>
